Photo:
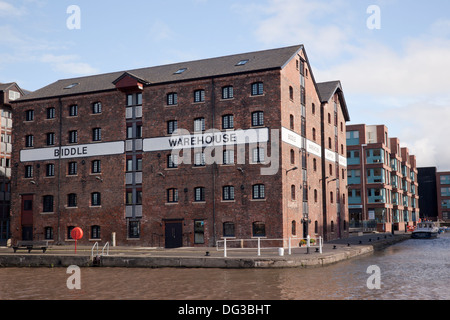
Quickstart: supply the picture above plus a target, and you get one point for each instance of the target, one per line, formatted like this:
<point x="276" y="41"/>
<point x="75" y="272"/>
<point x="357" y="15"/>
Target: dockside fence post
<point x="225" y="247"/>
<point x="259" y="247"/>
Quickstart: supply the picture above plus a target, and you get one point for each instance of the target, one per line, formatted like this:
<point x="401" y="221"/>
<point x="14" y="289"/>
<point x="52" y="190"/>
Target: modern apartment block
<point x="239" y="147"/>
<point x="443" y="196"/>
<point x="434" y="191"/>
<point x="382" y="180"/>
<point x="8" y="93"/>
<point x="428" y="193"/>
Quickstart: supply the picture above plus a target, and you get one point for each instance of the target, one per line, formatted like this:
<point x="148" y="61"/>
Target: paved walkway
<point x="333" y="251"/>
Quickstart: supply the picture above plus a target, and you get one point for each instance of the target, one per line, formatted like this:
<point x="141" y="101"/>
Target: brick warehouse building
<point x="8" y="93"/>
<point x="110" y="153"/>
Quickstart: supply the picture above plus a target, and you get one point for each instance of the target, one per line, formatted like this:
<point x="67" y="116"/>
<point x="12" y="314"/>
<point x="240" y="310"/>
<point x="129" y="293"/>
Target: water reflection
<point x="414" y="269"/>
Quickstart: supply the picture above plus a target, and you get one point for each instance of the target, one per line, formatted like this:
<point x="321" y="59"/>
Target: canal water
<point x="411" y="270"/>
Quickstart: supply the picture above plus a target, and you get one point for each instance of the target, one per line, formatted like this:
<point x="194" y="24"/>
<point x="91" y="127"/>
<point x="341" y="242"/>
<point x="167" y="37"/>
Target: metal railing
<point x="105" y="247"/>
<point x="287" y="244"/>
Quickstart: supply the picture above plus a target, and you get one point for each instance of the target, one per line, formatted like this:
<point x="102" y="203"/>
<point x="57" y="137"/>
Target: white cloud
<point x="420" y="69"/>
<point x="68" y="64"/>
<point x="8" y="10"/>
<point x="288" y="22"/>
<point x="424" y="130"/>
<point x="160" y="31"/>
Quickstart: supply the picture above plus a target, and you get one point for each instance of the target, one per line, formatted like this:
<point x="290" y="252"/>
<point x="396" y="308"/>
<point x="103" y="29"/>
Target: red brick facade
<point x="306" y="194"/>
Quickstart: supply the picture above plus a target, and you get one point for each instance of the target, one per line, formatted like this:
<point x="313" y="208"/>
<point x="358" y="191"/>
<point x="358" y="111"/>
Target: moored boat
<point x="425" y="230"/>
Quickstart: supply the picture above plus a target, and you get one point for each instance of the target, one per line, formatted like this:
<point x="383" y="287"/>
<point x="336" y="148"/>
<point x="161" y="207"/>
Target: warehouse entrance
<point x="174" y="235"/>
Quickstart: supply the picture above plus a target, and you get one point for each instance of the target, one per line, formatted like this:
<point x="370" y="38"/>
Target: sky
<point x="392" y="56"/>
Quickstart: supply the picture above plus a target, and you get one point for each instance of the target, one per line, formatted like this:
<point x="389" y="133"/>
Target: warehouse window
<point x="227" y="92"/>
<point x="29" y="141"/>
<point x="259" y="229"/>
<point x="97" y="134"/>
<point x="172" y="195"/>
<point x="29" y="115"/>
<point x="257" y="89"/>
<point x="259" y="191"/>
<point x="73" y="136"/>
<point x="96" y="166"/>
<point x="199" y="125"/>
<point x="69" y="232"/>
<point x="199" y="96"/>
<point x="51" y="113"/>
<point x="228" y="193"/>
<point x="73" y="169"/>
<point x="258" y="155"/>
<point x="50" y="139"/>
<point x="97" y="108"/>
<point x="199" y="159"/>
<point x="96" y="199"/>
<point x="172" y="99"/>
<point x="228" y="121"/>
<point x="134" y="229"/>
<point x="28" y="172"/>
<point x="73" y="110"/>
<point x="228" y="229"/>
<point x="48" y="203"/>
<point x="172" y="161"/>
<point x="257" y="118"/>
<point x="72" y="200"/>
<point x="228" y="157"/>
<point x="199" y="194"/>
<point x="199" y="231"/>
<point x="172" y="126"/>
<point x="48" y="233"/>
<point x="95" y="232"/>
<point x="50" y="170"/>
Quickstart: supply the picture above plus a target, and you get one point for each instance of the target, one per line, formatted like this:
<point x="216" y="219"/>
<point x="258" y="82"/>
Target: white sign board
<point x="208" y="139"/>
<point x="72" y="152"/>
<point x="291" y="138"/>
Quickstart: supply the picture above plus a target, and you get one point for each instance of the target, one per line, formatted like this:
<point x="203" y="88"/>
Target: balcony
<point x="354" y="200"/>
<point x="376" y="196"/>
<point x="375" y="156"/>
<point x="375" y="176"/>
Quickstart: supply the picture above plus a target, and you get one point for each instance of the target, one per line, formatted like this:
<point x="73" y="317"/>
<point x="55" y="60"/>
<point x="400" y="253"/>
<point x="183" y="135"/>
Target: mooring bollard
<point x="308" y="243"/>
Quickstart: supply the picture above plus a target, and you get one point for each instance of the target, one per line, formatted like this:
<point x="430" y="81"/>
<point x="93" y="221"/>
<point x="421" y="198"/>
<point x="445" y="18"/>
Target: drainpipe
<point x="59" y="172"/>
<point x="214" y="166"/>
<point x="324" y="175"/>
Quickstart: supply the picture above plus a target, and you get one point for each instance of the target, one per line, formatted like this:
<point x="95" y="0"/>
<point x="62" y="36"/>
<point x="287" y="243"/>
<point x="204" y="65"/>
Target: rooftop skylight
<point x="71" y="86"/>
<point x="242" y="62"/>
<point x="180" y="71"/>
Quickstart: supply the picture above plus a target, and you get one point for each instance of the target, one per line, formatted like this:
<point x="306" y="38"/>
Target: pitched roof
<point x="6" y="86"/>
<point x="328" y="89"/>
<point x="228" y="65"/>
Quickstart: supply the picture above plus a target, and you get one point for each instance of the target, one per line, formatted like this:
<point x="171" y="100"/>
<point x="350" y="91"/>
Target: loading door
<point x="174" y="235"/>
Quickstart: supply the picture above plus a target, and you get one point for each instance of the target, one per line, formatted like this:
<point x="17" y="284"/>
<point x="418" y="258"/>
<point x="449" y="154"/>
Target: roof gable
<point x="328" y="89"/>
